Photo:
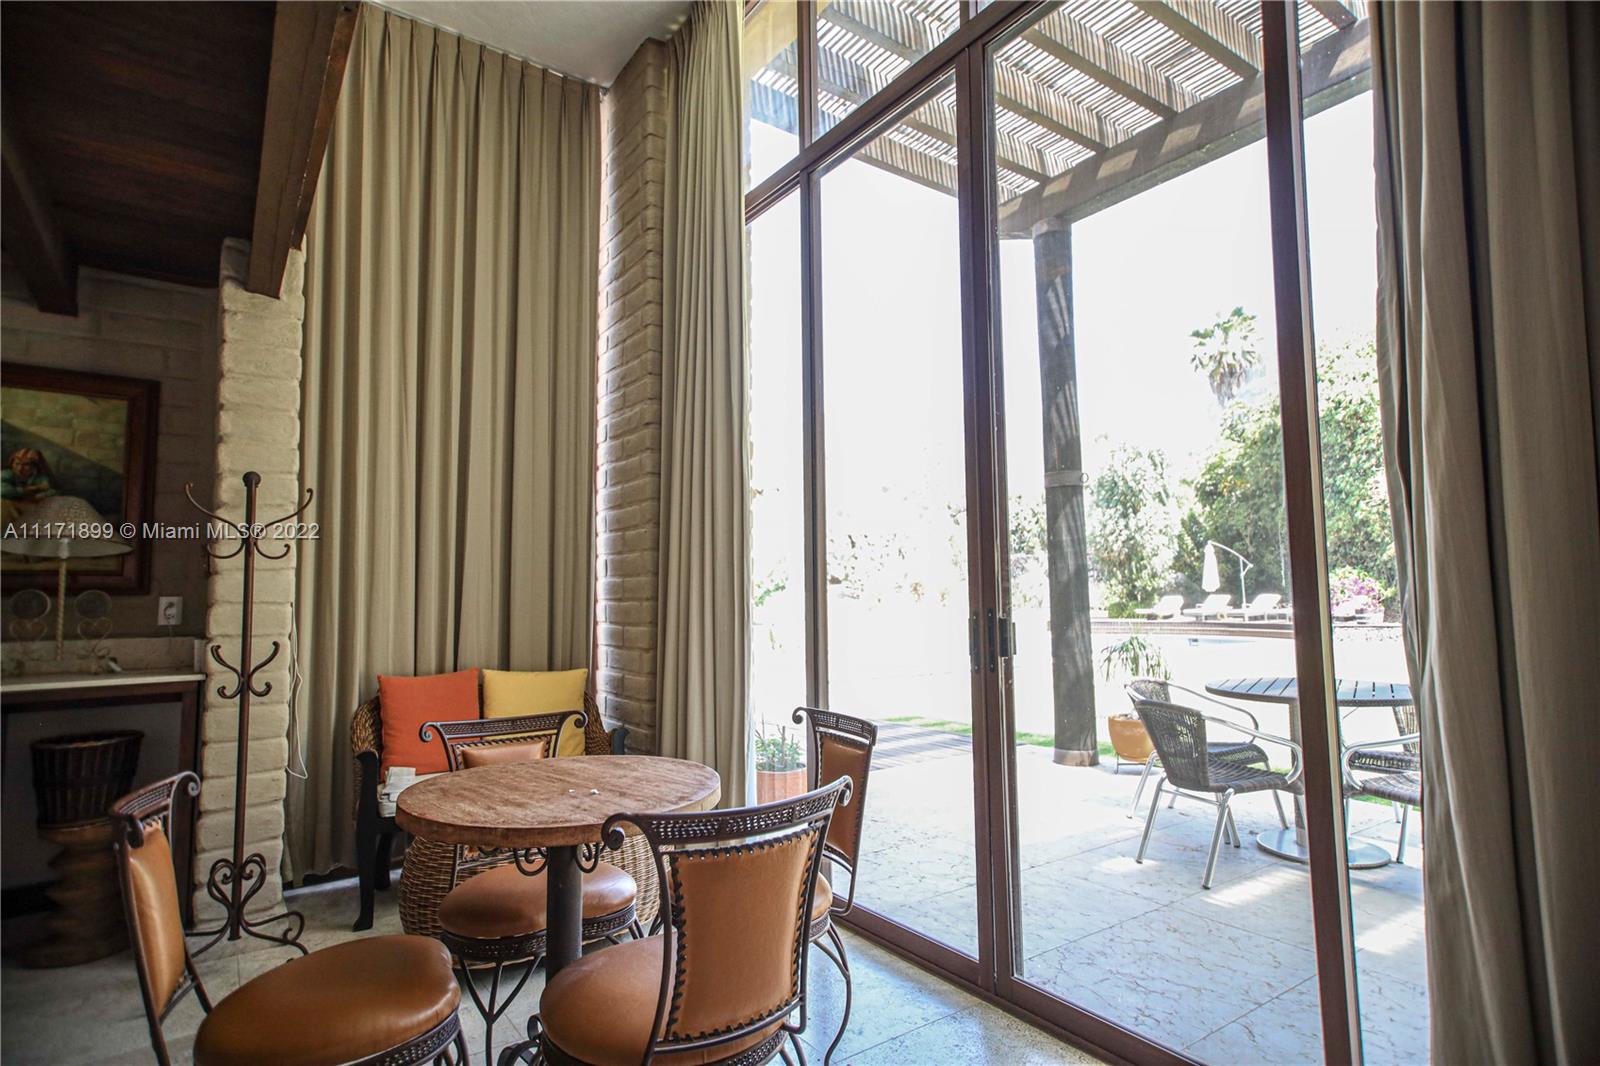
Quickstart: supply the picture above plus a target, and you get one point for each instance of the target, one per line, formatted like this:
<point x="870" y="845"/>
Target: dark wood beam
<point x="1210" y="29"/>
<point x="29" y="229"/>
<point x="1069" y="41"/>
<point x="310" y="45"/>
<point x="1332" y="70"/>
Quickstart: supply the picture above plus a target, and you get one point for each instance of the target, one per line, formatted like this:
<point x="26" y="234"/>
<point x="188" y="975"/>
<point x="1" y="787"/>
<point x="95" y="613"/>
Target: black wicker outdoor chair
<point x="1243" y="751"/>
<point x="1389" y="770"/>
<point x="1187" y="763"/>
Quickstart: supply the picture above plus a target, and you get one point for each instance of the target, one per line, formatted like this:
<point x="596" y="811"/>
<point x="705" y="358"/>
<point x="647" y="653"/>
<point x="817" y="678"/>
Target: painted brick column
<point x="258" y="428"/>
<point x="628" y="519"/>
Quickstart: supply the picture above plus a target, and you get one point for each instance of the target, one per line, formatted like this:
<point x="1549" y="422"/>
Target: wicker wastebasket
<point x="75" y="780"/>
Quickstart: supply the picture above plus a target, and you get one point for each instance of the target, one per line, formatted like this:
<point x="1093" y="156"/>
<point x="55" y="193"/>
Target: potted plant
<point x="1134" y="656"/>
<point x="780" y="765"/>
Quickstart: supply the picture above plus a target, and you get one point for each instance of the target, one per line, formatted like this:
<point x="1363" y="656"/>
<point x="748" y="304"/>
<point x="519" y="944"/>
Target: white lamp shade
<point x="1211" y="577"/>
<point x="70" y="514"/>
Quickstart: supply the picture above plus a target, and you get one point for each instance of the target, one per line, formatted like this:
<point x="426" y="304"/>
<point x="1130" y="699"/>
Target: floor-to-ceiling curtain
<point x="705" y="479"/>
<point x="1488" y="145"/>
<point x="448" y="414"/>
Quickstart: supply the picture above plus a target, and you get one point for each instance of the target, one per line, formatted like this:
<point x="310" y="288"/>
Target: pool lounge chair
<point x="1215" y="606"/>
<point x="1263" y="605"/>
<point x="1165" y="607"/>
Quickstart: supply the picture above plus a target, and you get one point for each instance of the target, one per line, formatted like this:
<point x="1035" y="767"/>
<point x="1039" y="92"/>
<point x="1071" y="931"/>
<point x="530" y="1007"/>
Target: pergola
<point x="1094" y="103"/>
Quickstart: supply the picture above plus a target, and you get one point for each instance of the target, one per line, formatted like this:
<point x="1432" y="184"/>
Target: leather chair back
<point x="843" y="745"/>
<point x="737" y="888"/>
<point x="486" y="741"/>
<point x="150" y="898"/>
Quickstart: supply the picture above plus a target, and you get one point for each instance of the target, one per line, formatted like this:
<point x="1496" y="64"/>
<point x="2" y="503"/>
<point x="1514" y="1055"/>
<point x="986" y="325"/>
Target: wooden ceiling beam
<point x="1210" y="29"/>
<point x="1070" y="42"/>
<point x="310" y="46"/>
<point x="29" y="230"/>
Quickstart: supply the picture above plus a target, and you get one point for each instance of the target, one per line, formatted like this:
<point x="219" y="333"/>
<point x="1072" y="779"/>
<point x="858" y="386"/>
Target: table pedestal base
<point x="1285" y="844"/>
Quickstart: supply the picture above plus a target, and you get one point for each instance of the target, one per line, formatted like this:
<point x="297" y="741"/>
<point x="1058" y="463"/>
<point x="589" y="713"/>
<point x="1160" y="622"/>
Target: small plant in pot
<point x="780" y="765"/>
<point x="1134" y="656"/>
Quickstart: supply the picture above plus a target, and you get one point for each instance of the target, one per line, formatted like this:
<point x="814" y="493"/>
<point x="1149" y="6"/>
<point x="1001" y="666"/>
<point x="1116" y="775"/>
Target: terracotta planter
<point x="1128" y="738"/>
<point x="774" y="785"/>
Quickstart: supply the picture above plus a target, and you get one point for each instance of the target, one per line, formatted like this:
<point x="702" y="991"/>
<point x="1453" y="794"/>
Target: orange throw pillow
<point x="406" y="704"/>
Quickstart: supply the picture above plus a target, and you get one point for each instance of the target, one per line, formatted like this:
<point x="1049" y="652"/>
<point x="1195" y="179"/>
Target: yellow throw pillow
<point x="508" y="693"/>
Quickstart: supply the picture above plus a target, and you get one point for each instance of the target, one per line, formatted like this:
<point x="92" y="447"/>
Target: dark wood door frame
<point x="994" y="973"/>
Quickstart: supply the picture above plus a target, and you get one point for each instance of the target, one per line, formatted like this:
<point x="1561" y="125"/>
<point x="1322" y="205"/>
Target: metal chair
<point x="400" y="987"/>
<point x="1179" y="734"/>
<point x="1244" y="751"/>
<point x="720" y="985"/>
<point x="1390" y="770"/>
<point x="843" y="747"/>
<point x="497" y="918"/>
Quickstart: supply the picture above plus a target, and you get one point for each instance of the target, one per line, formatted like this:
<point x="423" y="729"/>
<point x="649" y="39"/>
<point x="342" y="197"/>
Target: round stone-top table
<point x="553" y="806"/>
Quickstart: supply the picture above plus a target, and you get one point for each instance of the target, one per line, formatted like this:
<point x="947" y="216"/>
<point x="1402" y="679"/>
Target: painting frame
<point x="143" y="399"/>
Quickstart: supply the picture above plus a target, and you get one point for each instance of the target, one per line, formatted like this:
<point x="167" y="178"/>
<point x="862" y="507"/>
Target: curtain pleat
<point x="1489" y="364"/>
<point x="448" y="410"/>
<point x="705" y="478"/>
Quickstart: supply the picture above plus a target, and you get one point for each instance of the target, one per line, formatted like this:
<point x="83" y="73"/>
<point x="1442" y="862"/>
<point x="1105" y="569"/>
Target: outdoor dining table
<point x="1290" y="843"/>
<point x="548" y="813"/>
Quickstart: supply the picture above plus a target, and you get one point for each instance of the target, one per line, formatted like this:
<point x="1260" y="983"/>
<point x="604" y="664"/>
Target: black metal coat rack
<point x="234" y="880"/>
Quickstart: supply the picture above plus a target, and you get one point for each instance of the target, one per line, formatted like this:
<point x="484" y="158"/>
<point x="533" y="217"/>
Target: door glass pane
<point x="1378" y="723"/>
<point x="1147" y="539"/>
<point x="897" y="514"/>
<point x="771" y="89"/>
<point x="862" y="45"/>
<point x="777" y="505"/>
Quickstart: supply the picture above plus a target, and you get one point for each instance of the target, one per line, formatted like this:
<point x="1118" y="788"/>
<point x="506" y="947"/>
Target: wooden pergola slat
<point x="1210" y="29"/>
<point x="1070" y="42"/>
<point x="1338" y="13"/>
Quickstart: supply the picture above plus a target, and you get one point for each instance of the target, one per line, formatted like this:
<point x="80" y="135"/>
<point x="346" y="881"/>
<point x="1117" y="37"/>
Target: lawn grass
<point x="964" y="729"/>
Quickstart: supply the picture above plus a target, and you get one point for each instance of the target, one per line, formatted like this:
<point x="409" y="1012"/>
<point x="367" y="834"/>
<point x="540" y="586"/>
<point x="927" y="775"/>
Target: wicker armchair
<point x="1190" y="765"/>
<point x="437" y="867"/>
<point x="1388" y="770"/>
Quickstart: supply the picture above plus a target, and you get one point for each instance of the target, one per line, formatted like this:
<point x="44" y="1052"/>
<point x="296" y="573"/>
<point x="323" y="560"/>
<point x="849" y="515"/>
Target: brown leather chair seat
<point x="504" y="902"/>
<point x="821" y="899"/>
<point x="599" y="1009"/>
<point x="341" y="1004"/>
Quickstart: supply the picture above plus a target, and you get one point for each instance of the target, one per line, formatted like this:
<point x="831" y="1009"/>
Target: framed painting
<point x="92" y="436"/>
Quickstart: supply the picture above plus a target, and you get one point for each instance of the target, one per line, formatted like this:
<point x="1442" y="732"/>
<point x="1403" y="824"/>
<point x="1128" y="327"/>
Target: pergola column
<point x="1066" y="538"/>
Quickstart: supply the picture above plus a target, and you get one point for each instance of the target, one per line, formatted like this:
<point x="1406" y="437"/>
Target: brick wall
<point x="629" y="475"/>
<point x="141" y="329"/>
<point x="258" y="428"/>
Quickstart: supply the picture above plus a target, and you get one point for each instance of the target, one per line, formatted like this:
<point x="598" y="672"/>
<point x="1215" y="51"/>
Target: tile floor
<point x="1227" y="974"/>
<point x="91" y="1015"/>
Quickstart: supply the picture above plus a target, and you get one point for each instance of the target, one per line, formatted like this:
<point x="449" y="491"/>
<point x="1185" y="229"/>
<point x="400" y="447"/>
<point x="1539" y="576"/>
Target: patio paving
<point x="1226" y="974"/>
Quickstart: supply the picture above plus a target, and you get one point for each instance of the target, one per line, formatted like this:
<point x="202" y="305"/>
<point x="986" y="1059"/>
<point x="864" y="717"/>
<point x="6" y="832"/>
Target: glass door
<point x="895" y="485"/>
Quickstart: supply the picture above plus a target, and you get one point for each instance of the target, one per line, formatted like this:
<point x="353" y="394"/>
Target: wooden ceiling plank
<point x="1210" y="29"/>
<point x="30" y="232"/>
<point x="310" y="46"/>
<point x="1069" y="41"/>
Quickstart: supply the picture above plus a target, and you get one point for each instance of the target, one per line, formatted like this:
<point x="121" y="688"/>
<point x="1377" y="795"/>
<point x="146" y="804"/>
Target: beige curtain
<point x="705" y="477"/>
<point x="448" y="413"/>
<point x="1488" y="144"/>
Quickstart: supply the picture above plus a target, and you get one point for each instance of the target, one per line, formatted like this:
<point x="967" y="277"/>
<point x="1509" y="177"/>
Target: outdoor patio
<point x="1226" y="974"/>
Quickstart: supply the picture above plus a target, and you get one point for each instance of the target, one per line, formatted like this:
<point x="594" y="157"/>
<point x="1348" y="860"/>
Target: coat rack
<point x="234" y="880"/>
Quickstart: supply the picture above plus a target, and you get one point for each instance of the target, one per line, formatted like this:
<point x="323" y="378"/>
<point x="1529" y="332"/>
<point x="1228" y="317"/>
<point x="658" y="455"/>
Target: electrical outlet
<point x="169" y="611"/>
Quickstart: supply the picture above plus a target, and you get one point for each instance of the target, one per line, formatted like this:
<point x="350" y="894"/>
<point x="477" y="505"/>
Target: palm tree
<point x="1226" y="353"/>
